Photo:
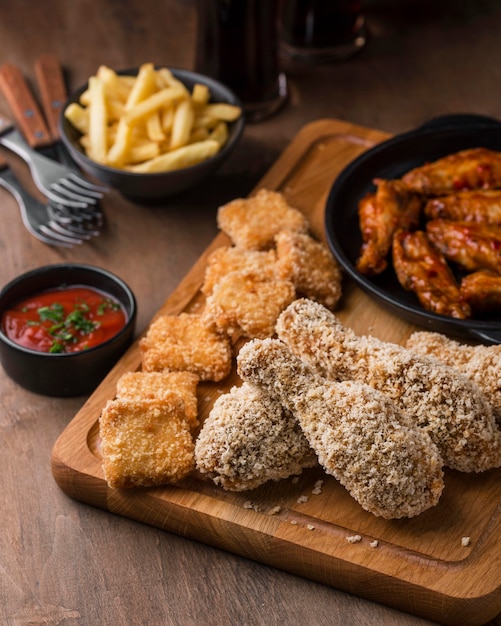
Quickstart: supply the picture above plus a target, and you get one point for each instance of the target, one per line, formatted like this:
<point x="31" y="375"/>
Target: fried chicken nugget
<point x="160" y="386"/>
<point x="184" y="342"/>
<point x="480" y="363"/>
<point x="249" y="439"/>
<point x="246" y="304"/>
<point x="442" y="401"/>
<point x="391" y="467"/>
<point x="230" y="259"/>
<point x="309" y="265"/>
<point x="253" y="222"/>
<point x="145" y="442"/>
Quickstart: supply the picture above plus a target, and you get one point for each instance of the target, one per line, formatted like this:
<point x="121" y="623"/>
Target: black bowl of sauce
<point x="63" y="327"/>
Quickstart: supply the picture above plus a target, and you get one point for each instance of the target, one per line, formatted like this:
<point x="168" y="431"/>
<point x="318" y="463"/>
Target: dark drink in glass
<point x="322" y="30"/>
<point x="237" y="43"/>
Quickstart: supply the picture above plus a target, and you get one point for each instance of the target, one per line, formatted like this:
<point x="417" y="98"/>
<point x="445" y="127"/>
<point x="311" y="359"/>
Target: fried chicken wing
<point x="446" y="404"/>
<point x="480" y="363"/>
<point x="421" y="268"/>
<point x="482" y="291"/>
<point x="471" y="245"/>
<point x="474" y="168"/>
<point x="479" y="205"/>
<point x="388" y="465"/>
<point x="392" y="206"/>
<point x="248" y="439"/>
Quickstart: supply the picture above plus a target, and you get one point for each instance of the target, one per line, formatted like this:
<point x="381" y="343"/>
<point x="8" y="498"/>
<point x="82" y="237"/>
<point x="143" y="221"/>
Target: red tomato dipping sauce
<point x="69" y="319"/>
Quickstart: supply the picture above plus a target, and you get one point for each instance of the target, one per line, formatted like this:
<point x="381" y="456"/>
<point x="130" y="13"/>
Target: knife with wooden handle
<point x="24" y="106"/>
<point x="53" y="94"/>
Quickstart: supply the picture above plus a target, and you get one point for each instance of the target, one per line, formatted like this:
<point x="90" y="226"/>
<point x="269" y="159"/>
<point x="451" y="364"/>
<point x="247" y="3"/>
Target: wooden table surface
<point x="63" y="562"/>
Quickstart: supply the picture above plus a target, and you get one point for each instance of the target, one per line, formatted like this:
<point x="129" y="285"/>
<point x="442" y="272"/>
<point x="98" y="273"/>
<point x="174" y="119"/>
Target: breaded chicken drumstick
<point x="480" y="363"/>
<point x="391" y="467"/>
<point x="446" y="404"/>
<point x="248" y="439"/>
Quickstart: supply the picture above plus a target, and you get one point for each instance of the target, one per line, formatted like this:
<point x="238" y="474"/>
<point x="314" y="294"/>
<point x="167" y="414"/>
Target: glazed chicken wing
<point x="479" y="205"/>
<point x="475" y="168"/>
<point x="482" y="291"/>
<point x="421" y="268"/>
<point x="471" y="245"/>
<point x="392" y="206"/>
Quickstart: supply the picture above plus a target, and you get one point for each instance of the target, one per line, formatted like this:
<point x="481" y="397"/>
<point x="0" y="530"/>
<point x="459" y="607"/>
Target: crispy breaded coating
<point x="480" y="363"/>
<point x="145" y="442"/>
<point x="310" y="266"/>
<point x="247" y="304"/>
<point x="442" y="401"/>
<point x="230" y="259"/>
<point x="253" y="222"/>
<point x="184" y="343"/>
<point x="248" y="439"/>
<point x="161" y="386"/>
<point x="389" y="465"/>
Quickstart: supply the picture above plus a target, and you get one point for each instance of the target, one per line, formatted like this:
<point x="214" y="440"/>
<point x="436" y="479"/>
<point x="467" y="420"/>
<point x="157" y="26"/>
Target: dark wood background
<point x="64" y="563"/>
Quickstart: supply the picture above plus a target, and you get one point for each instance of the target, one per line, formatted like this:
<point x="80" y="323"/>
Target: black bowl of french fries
<point x="454" y="138"/>
<point x="151" y="132"/>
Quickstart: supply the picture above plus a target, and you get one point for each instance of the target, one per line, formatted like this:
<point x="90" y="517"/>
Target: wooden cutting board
<point x="420" y="565"/>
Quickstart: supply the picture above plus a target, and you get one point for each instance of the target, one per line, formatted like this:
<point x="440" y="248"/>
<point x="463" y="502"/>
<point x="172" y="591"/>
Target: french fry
<point x="154" y="127"/>
<point x="182" y="124"/>
<point x="97" y="121"/>
<point x="167" y="119"/>
<point x="152" y="103"/>
<point x="185" y="156"/>
<point x="200" y="94"/>
<point x="220" y="133"/>
<point x="117" y="153"/>
<point x="143" y="152"/>
<point x="167" y="78"/>
<point x="78" y="116"/>
<point x="223" y="111"/>
<point x="144" y="86"/>
<point x="119" y="89"/>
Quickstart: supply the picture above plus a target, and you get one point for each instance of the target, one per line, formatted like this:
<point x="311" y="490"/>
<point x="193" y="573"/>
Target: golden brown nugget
<point x="229" y="259"/>
<point x="184" y="343"/>
<point x="309" y="265"/>
<point x="145" y="443"/>
<point x="249" y="439"/>
<point x="245" y="304"/>
<point x="253" y="222"/>
<point x="445" y="403"/>
<point x="161" y="386"/>
<point x="389" y="465"/>
<point x="480" y="363"/>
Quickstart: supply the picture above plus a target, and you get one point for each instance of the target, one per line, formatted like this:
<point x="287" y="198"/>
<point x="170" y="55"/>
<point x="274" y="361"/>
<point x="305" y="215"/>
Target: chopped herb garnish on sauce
<point x="71" y="319"/>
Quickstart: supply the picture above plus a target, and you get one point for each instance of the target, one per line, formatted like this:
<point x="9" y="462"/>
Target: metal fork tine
<point x="83" y="218"/>
<point x="60" y="236"/>
<point x="73" y="233"/>
<point x="92" y="188"/>
<point x="66" y="196"/>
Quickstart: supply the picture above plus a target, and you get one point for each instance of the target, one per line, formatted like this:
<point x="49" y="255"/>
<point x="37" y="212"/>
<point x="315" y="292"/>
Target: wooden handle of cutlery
<point x="24" y="106"/>
<point x="52" y="88"/>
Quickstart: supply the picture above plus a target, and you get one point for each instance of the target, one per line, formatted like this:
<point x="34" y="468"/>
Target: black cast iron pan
<point x="391" y="159"/>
